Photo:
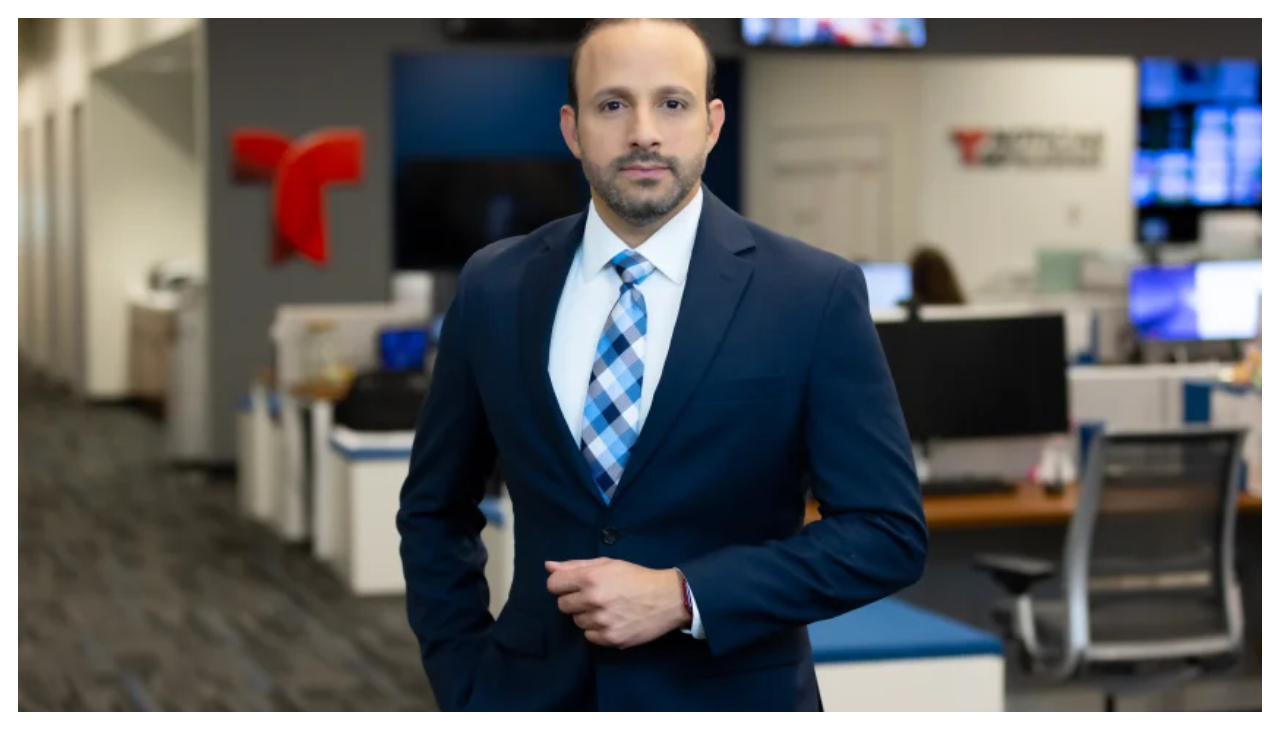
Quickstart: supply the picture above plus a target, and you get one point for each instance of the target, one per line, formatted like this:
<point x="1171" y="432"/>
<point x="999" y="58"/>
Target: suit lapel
<point x="716" y="280"/>
<point x="540" y="289"/>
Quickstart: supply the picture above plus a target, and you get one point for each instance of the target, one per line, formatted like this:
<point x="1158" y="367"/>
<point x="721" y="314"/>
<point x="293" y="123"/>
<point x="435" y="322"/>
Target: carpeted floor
<point x="141" y="588"/>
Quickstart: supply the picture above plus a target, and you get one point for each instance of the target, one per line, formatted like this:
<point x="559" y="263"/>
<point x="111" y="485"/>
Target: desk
<point x="318" y="398"/>
<point x="362" y="544"/>
<point x="1028" y="505"/>
<point x="891" y="656"/>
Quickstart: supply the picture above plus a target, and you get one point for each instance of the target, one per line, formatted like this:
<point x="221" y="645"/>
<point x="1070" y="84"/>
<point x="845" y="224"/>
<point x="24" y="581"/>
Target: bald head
<point x="598" y="24"/>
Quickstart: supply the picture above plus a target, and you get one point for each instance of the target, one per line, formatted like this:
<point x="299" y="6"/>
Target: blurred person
<point x="933" y="281"/>
<point x="661" y="561"/>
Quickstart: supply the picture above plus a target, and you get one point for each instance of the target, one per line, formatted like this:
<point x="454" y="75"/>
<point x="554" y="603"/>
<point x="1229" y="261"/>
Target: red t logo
<point x="300" y="170"/>
<point x="969" y="141"/>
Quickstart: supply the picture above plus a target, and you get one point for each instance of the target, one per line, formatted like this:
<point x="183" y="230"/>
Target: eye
<point x="611" y="106"/>
<point x="673" y="104"/>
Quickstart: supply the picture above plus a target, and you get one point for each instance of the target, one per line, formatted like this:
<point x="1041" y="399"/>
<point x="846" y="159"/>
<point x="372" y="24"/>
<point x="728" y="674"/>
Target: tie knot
<point x="632" y="267"/>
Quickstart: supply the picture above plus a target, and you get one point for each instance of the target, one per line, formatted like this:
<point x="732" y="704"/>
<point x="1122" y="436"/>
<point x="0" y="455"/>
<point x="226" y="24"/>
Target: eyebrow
<point x="674" y="91"/>
<point x="625" y="93"/>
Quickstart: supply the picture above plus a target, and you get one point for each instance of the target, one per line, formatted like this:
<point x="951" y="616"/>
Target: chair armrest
<point x="1014" y="572"/>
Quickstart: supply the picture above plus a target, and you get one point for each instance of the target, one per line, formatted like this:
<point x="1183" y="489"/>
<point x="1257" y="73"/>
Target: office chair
<point x="1150" y="597"/>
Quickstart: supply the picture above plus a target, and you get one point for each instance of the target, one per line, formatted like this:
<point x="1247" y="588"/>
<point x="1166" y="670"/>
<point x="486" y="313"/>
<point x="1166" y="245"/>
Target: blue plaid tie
<point x="611" y="420"/>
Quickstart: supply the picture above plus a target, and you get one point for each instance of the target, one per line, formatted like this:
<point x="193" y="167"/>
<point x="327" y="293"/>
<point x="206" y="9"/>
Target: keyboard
<point x="963" y="486"/>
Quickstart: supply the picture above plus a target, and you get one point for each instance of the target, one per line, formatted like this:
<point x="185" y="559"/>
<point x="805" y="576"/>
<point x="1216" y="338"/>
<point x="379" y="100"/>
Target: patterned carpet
<point x="141" y="588"/>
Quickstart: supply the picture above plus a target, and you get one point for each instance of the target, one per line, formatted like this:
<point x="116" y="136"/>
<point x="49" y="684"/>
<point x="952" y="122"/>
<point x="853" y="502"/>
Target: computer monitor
<point x="403" y="349"/>
<point x="1209" y="301"/>
<point x="888" y="284"/>
<point x="975" y="378"/>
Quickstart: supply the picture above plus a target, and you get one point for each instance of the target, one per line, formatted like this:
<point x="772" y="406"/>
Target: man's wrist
<point x="686" y="601"/>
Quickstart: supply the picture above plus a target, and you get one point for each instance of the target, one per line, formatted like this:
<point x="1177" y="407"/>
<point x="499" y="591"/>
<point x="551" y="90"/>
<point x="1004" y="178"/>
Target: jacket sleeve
<point x="439" y="519"/>
<point x="872" y="539"/>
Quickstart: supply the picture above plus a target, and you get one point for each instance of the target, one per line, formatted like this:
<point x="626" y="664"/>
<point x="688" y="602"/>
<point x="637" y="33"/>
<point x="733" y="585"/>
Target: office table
<point x="1029" y="504"/>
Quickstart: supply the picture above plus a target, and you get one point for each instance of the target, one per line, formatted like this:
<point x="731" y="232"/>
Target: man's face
<point x="643" y="127"/>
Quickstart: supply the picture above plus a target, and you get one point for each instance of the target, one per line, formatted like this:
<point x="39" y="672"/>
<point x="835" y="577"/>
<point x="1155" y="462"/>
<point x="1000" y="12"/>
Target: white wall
<point x="993" y="220"/>
<point x="989" y="222"/>
<point x="50" y="308"/>
<point x="146" y="207"/>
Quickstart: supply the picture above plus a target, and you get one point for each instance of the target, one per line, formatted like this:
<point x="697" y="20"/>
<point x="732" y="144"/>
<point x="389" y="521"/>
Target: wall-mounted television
<point x="1199" y="143"/>
<point x="834" y="32"/>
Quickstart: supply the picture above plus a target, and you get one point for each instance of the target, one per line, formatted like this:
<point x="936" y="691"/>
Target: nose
<point x="644" y="130"/>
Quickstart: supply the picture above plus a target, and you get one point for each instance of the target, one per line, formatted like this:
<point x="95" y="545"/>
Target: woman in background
<point x="932" y="279"/>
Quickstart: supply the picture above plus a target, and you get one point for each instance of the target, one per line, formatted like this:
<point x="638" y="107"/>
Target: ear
<point x="715" y="122"/>
<point x="569" y="130"/>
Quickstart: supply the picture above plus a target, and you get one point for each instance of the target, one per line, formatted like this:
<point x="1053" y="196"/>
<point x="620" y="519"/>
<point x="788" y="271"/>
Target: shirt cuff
<point x="695" y="627"/>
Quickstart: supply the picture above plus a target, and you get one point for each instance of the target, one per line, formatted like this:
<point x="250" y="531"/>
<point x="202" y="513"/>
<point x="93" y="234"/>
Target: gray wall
<point x="292" y="76"/>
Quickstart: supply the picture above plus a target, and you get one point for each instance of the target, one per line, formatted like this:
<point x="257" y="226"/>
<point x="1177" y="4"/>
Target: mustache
<point x="642" y="157"/>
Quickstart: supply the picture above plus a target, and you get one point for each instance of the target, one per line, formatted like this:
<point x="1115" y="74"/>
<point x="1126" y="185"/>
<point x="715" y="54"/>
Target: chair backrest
<point x="1148" y="567"/>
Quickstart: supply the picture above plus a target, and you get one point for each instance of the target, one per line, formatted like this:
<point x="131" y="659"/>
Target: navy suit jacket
<point x="775" y="384"/>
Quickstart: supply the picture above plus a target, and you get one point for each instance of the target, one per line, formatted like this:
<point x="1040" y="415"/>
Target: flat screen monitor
<point x="977" y="378"/>
<point x="402" y="349"/>
<point x="1209" y="301"/>
<point x="447" y="209"/>
<point x="834" y="32"/>
<point x="888" y="284"/>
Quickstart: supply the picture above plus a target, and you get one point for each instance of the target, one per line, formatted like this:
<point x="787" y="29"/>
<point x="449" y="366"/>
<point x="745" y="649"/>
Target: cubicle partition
<point x="354" y="329"/>
<point x="296" y="437"/>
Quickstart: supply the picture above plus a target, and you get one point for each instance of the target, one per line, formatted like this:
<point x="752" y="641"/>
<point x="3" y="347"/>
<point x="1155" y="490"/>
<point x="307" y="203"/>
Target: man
<point x="663" y="380"/>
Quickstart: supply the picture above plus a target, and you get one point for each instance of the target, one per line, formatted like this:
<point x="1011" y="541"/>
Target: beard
<point x="642" y="210"/>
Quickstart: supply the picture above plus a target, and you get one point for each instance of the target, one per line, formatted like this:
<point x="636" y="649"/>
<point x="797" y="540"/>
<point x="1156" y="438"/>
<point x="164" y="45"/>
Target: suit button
<point x="609" y="535"/>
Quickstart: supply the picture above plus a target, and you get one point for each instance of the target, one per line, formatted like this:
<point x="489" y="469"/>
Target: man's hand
<point x="619" y="604"/>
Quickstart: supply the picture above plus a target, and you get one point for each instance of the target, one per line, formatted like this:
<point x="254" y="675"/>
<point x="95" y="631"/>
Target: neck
<point x="634" y="236"/>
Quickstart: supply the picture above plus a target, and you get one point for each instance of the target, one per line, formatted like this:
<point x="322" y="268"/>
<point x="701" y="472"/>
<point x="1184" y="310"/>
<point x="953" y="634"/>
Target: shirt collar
<point x="668" y="249"/>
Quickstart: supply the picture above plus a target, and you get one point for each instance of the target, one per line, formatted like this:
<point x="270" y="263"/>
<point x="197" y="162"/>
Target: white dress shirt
<point x="592" y="288"/>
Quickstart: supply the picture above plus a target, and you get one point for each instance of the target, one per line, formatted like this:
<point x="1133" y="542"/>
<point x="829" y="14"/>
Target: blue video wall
<point x="1200" y="143"/>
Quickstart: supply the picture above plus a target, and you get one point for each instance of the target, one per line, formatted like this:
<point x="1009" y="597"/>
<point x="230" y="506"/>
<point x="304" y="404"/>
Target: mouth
<point x="644" y="171"/>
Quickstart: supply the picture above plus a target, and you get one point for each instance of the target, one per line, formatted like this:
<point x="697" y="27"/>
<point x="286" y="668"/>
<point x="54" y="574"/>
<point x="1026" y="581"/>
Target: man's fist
<point x="619" y="604"/>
